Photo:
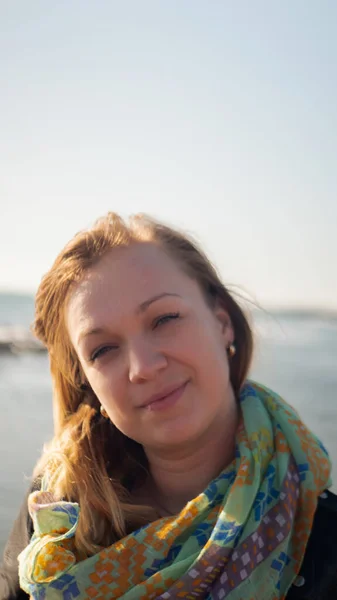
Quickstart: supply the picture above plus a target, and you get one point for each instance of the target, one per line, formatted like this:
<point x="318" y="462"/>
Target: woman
<point x="170" y="475"/>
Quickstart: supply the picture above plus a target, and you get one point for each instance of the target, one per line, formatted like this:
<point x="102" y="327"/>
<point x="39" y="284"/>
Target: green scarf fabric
<point x="243" y="538"/>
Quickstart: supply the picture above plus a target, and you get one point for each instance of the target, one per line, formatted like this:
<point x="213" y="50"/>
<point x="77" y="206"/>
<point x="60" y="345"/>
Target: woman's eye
<point x="100" y="352"/>
<point x="165" y="318"/>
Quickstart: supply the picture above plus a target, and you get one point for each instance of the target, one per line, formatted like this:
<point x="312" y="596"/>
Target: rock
<point x="16" y="339"/>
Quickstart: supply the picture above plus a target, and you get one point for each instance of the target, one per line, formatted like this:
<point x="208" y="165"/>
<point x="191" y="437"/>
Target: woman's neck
<point x="178" y="476"/>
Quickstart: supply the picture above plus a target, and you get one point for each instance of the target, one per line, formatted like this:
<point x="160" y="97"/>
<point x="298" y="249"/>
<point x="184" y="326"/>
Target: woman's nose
<point x="145" y="361"/>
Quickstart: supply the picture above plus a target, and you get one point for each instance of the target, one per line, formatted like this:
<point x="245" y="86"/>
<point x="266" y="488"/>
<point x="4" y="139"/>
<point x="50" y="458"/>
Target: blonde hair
<point x="89" y="460"/>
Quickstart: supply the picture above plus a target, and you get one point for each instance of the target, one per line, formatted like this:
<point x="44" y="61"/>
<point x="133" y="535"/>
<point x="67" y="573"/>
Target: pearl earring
<point x="231" y="350"/>
<point x="103" y="412"/>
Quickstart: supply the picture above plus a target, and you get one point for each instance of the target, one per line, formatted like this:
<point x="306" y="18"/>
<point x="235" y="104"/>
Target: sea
<point x="295" y="355"/>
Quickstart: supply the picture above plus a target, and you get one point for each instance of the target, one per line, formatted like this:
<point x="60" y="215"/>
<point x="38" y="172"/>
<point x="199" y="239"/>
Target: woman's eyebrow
<point x="85" y="334"/>
<point x="145" y="305"/>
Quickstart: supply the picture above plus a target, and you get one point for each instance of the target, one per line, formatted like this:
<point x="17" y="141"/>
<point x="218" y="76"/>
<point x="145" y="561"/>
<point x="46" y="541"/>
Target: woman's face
<point x="151" y="348"/>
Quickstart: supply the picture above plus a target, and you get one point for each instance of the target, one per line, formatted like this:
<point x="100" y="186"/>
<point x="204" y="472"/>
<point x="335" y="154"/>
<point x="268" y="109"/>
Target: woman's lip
<point x="168" y="400"/>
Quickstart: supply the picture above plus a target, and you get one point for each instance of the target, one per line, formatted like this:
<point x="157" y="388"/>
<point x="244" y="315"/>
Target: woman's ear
<point x="226" y="326"/>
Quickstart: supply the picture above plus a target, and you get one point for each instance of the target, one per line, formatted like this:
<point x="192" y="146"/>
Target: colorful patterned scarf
<point x="244" y="537"/>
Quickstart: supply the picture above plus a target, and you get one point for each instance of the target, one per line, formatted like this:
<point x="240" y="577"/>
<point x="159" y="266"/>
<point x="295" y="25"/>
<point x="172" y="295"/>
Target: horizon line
<point x="289" y="308"/>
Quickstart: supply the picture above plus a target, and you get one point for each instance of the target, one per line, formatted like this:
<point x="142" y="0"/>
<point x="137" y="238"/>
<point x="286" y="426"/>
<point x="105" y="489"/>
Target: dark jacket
<point x="317" y="579"/>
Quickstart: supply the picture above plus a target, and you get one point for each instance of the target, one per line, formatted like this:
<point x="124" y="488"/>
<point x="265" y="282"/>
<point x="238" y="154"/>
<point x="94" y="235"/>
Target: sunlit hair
<point x="89" y="460"/>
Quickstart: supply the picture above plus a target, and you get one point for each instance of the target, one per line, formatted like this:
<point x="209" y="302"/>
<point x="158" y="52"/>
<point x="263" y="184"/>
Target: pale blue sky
<point x="218" y="116"/>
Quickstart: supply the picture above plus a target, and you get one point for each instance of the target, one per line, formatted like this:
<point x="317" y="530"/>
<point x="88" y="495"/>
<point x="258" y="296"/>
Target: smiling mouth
<point x="168" y="400"/>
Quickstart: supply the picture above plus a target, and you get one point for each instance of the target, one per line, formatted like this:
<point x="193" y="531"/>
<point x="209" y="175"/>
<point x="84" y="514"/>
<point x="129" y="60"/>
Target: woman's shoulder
<point x="19" y="537"/>
<point x="317" y="579"/>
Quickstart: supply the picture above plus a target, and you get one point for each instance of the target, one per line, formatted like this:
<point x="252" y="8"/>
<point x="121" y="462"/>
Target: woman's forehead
<point x="138" y="264"/>
<point x="124" y="279"/>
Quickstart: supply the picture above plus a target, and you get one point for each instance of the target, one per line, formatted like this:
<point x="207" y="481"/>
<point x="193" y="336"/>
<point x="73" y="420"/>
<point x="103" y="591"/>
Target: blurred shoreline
<point x="17" y="313"/>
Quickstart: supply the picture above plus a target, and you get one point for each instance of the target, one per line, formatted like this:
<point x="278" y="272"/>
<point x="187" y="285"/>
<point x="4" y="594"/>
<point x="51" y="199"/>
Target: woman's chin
<point x="176" y="434"/>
